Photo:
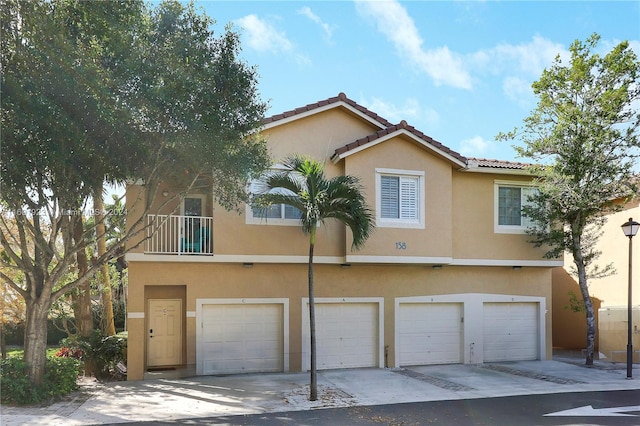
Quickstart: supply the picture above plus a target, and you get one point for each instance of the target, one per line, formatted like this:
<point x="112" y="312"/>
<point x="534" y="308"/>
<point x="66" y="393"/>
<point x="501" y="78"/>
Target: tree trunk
<point x="578" y="260"/>
<point x="313" y="388"/>
<point x="82" y="305"/>
<point x="104" y="281"/>
<point x="82" y="300"/>
<point x="590" y="316"/>
<point x="3" y="341"/>
<point x="35" y="339"/>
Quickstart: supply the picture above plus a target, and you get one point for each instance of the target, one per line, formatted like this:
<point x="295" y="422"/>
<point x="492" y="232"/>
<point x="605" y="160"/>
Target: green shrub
<point x="15" y="386"/>
<point x="99" y="351"/>
<point x="60" y="378"/>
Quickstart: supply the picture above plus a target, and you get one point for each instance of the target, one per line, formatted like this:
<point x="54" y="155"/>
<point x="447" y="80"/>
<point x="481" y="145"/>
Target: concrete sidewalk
<point x="211" y="396"/>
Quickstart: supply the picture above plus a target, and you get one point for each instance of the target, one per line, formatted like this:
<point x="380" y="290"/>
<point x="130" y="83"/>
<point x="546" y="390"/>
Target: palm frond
<point x="302" y="184"/>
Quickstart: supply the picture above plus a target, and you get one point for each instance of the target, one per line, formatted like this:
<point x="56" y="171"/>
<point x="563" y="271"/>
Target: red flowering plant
<point x="70" y="353"/>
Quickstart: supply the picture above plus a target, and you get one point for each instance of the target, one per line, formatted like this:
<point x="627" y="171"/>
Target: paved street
<point x="452" y="389"/>
<point x="591" y="408"/>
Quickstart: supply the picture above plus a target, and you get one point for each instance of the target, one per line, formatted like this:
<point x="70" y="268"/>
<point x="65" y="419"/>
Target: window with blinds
<point x="399" y="198"/>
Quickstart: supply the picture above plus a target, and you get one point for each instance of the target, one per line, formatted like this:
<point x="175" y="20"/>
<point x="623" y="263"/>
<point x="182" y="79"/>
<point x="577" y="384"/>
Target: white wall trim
<point x="473" y="308"/>
<point x="507" y="262"/>
<point x="142" y="257"/>
<point x="304" y="329"/>
<point x="398" y="259"/>
<point x="232" y="258"/>
<point x="337" y="260"/>
<point x="135" y="314"/>
<point x="285" y="326"/>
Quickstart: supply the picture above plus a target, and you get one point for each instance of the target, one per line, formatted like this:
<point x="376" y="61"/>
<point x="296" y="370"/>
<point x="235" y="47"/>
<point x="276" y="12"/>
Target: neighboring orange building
<point x="447" y="276"/>
<point x="610" y="294"/>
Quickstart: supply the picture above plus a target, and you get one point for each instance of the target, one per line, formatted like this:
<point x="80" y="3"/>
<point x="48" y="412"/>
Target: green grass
<point x="19" y="352"/>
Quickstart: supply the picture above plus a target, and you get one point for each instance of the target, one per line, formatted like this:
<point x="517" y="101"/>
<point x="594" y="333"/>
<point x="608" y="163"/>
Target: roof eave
<point x="337" y="157"/>
<point x="340" y="103"/>
<point x="497" y="170"/>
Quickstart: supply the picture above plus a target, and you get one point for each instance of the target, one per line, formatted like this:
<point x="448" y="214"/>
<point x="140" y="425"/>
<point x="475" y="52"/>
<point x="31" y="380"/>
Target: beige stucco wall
<point x="613" y="329"/>
<point x="213" y="280"/>
<point x="401" y="153"/>
<point x="615" y="249"/>
<point x="610" y="291"/>
<point x="458" y="205"/>
<point x="570" y="327"/>
<point x="473" y="215"/>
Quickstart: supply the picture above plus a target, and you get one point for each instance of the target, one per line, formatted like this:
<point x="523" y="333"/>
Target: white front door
<point x="164" y="345"/>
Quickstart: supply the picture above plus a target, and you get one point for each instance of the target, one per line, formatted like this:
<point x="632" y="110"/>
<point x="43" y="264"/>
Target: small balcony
<point x="179" y="235"/>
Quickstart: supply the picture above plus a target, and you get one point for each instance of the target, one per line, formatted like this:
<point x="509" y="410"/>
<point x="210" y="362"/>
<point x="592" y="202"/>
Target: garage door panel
<point x="510" y="331"/>
<point x="429" y="333"/>
<point x="240" y="338"/>
<point x="346" y="335"/>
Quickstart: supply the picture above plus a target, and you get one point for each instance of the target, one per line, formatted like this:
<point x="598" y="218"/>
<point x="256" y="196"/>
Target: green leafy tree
<point x="111" y="90"/>
<point x="583" y="135"/>
<point x="303" y="185"/>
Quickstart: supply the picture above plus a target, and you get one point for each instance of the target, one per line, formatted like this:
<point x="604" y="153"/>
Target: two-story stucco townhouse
<point x="447" y="277"/>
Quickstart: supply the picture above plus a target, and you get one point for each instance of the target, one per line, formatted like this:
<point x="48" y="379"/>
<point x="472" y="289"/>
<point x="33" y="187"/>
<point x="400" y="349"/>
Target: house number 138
<point x="401" y="245"/>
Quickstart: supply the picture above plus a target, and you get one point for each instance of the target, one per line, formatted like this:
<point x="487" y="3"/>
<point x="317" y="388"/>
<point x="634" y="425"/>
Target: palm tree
<point x="302" y="184"/>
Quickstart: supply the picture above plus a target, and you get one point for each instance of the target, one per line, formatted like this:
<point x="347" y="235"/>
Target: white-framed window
<point x="510" y="198"/>
<point x="276" y="211"/>
<point x="400" y="198"/>
<point x="276" y="214"/>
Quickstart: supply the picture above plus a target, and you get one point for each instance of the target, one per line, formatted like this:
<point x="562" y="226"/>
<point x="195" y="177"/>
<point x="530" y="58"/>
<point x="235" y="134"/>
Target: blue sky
<point x="458" y="71"/>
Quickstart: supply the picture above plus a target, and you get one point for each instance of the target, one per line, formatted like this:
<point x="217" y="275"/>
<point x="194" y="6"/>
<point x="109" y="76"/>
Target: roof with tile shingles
<point x="388" y="128"/>
<point x="398" y="128"/>
<point x="336" y="99"/>
<point x="496" y="164"/>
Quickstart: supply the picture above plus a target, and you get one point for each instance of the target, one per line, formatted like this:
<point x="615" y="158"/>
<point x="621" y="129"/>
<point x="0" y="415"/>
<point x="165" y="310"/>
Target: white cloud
<point x="392" y="20"/>
<point x="411" y="111"/>
<point x="328" y="30"/>
<point x="263" y="36"/>
<point x="518" y="90"/>
<point x="518" y="65"/>
<point x="476" y="147"/>
<point x="529" y="58"/>
<point x="635" y="46"/>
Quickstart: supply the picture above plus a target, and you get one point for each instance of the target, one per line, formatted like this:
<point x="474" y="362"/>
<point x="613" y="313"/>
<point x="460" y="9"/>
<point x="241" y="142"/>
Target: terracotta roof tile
<point x="389" y="128"/>
<point x="393" y="128"/>
<point x="497" y="164"/>
<point x="340" y="98"/>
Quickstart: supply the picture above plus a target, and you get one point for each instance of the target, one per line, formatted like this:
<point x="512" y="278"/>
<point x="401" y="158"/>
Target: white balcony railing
<point x="169" y="234"/>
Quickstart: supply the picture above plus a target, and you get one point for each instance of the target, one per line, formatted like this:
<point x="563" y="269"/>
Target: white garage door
<point x="242" y="338"/>
<point x="346" y="335"/>
<point x="510" y="331"/>
<point x="429" y="333"/>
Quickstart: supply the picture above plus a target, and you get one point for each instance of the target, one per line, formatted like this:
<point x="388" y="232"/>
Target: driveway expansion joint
<point x="441" y="383"/>
<point x="531" y="374"/>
